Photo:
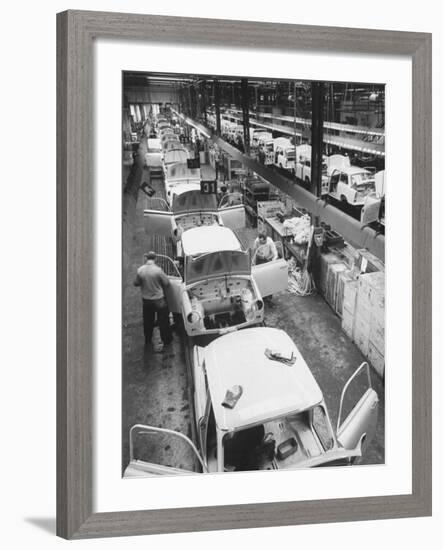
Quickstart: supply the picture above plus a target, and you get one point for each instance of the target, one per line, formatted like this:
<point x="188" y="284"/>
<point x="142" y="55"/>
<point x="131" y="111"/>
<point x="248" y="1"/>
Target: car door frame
<point x="366" y="405"/>
<point x="159" y="222"/>
<point x="155" y="429"/>
<point x="274" y="266"/>
<point x="174" y="292"/>
<point x="233" y="217"/>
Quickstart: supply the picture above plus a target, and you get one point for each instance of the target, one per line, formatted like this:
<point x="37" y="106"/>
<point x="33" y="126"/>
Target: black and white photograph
<point x="253" y="274"/>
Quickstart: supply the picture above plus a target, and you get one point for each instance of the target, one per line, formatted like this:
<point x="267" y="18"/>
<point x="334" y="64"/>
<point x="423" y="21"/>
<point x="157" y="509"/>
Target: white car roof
<point x="175" y="156"/>
<point x="180" y="171"/>
<point x="154" y="143"/>
<point x="184" y="188"/>
<point x="283" y="142"/>
<point x="209" y="238"/>
<point x="353" y="170"/>
<point x="270" y="389"/>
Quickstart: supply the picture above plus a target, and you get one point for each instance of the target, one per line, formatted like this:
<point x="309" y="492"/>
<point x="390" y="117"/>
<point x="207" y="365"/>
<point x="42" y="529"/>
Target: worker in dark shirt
<point x="153" y="281"/>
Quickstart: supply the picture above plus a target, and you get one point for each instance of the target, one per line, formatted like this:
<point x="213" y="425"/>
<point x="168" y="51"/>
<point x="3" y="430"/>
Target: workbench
<point x="278" y="233"/>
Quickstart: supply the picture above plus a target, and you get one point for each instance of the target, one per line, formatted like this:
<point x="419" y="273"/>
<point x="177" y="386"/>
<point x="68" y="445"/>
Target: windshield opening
<point x="240" y="449"/>
<point x="193" y="201"/>
<point x="322" y="427"/>
<point x="217" y="263"/>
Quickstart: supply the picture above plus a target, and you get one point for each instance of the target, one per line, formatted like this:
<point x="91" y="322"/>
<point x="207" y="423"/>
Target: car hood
<point x="217" y="264"/>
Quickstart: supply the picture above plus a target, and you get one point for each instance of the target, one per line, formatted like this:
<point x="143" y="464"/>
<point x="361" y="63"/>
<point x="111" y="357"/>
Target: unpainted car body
<point x="350" y="185"/>
<point x="280" y="419"/>
<point x="179" y="174"/>
<point x="284" y="153"/>
<point x="189" y="208"/>
<point x="219" y="290"/>
<point x="153" y="157"/>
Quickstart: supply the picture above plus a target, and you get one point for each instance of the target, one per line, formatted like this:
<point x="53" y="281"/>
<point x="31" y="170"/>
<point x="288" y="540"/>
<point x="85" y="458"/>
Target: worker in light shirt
<point x="153" y="283"/>
<point x="264" y="249"/>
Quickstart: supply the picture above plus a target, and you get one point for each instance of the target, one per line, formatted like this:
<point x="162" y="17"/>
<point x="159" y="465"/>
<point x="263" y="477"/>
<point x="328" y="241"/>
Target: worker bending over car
<point x="264" y="249"/>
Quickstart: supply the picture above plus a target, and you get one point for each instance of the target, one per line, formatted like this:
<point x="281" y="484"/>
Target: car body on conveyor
<point x="257" y="406"/>
<point x="350" y="185"/>
<point x="179" y="174"/>
<point x="178" y="155"/>
<point x="153" y="157"/>
<point x="218" y="290"/>
<point x="190" y="208"/>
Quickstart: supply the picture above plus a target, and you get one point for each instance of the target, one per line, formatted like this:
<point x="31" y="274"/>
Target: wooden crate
<point x="343" y="276"/>
<point x="350" y="294"/>
<point x="373" y="263"/>
<point x="369" y="322"/>
<point x="371" y="289"/>
<point x="322" y="276"/>
<point x="332" y="282"/>
<point x="347" y="254"/>
<point x="361" y="333"/>
<point x="377" y="330"/>
<point x="347" y="323"/>
<point x="376" y="359"/>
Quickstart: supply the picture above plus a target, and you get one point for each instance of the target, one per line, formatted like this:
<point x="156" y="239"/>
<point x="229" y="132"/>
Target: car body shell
<point x="282" y="401"/>
<point x="219" y="290"/>
<point x="350" y="184"/>
<point x="178" y="174"/>
<point x="284" y="153"/>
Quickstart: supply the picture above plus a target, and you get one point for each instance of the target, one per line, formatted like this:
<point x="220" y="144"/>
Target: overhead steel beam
<point x="351" y="230"/>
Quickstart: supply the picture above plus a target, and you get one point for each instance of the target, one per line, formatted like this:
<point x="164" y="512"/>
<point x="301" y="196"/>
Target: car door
<point x="343" y="189"/>
<point x="333" y="183"/>
<point x="233" y="217"/>
<point x="371" y="210"/>
<point x="361" y="422"/>
<point x="158" y="223"/>
<point x="174" y="292"/>
<point x="270" y="277"/>
<point x="141" y="468"/>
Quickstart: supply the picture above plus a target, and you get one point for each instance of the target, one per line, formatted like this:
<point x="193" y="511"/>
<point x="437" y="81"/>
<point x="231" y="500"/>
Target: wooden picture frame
<point x="76" y="32"/>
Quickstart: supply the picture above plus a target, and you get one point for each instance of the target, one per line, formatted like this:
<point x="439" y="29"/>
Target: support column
<point x="181" y="103"/>
<point x="193" y="101"/>
<point x="204" y="101"/>
<point x="245" y="110"/>
<point x="217" y="107"/>
<point x="318" y="94"/>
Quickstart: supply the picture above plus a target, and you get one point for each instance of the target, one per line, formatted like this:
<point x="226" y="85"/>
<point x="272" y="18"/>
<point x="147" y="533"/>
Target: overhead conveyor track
<point x="351" y="229"/>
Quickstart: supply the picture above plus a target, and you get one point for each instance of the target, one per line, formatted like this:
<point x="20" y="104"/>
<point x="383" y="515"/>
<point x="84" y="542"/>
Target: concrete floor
<point x="155" y="386"/>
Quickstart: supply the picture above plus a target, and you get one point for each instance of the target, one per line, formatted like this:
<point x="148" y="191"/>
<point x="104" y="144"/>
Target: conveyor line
<point x="351" y="229"/>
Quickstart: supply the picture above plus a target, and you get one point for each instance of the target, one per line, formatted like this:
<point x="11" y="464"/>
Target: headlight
<point x="193" y="317"/>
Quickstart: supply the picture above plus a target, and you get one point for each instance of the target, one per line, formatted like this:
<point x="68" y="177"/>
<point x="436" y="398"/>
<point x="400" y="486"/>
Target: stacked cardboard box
<point x="332" y="284"/>
<point x="358" y="298"/>
<point x="326" y="260"/>
<point x="367" y="262"/>
<point x="349" y="301"/>
<point x="366" y="321"/>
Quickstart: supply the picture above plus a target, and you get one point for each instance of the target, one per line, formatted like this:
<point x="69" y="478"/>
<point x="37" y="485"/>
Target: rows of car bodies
<point x="214" y="285"/>
<point x="340" y="180"/>
<point x="280" y="419"/>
